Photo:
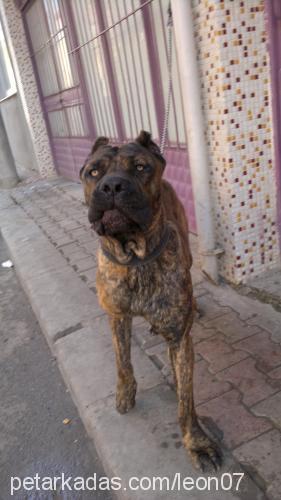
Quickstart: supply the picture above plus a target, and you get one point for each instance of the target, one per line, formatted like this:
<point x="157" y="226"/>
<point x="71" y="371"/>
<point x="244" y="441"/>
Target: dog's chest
<point x="152" y="290"/>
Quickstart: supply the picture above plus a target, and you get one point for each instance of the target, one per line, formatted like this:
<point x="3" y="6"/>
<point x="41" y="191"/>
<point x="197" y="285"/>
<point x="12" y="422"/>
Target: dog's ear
<point x="101" y="141"/>
<point x="144" y="139"/>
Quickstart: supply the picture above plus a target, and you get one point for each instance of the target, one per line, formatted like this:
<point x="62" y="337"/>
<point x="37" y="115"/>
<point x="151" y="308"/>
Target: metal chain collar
<point x="169" y="57"/>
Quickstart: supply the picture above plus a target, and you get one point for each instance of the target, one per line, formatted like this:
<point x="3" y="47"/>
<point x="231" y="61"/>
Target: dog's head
<point x="123" y="186"/>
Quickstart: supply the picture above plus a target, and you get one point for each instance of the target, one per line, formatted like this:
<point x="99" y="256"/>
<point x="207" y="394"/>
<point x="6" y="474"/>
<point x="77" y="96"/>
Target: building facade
<point x="94" y="67"/>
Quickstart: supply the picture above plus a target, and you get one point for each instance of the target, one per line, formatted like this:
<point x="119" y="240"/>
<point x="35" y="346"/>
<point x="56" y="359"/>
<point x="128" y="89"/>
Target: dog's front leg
<point x="126" y="384"/>
<point x="202" y="449"/>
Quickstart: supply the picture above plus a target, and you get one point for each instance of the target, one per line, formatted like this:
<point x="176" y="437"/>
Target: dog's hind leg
<point x="126" y="384"/>
<point x="202" y="449"/>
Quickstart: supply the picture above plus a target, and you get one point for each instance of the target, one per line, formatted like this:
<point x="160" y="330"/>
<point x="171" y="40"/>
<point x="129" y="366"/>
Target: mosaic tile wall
<point x="27" y="86"/>
<point x="234" y="68"/>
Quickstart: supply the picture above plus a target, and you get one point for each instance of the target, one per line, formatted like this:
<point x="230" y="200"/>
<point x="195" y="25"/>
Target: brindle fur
<point x="160" y="291"/>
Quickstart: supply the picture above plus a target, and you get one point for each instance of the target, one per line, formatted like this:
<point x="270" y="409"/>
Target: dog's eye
<point x="140" y="167"/>
<point x="94" y="172"/>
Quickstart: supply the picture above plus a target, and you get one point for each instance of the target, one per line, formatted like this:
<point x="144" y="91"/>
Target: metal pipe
<point x="197" y="148"/>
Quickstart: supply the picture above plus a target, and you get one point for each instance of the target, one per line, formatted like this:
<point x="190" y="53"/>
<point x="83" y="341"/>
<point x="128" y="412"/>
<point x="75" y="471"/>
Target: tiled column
<point x="234" y="66"/>
<point x="27" y="87"/>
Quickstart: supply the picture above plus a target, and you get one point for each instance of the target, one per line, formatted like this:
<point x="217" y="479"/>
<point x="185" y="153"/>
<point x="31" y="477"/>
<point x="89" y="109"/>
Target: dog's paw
<point x="205" y="454"/>
<point x="125" y="397"/>
<point x="206" y="457"/>
<point x="123" y="405"/>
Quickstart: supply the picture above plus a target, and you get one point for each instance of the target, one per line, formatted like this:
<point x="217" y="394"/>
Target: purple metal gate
<point x="102" y="70"/>
<point x="62" y="94"/>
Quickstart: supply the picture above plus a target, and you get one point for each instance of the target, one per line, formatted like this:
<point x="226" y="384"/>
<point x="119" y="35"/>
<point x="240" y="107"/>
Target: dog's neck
<point x="139" y="247"/>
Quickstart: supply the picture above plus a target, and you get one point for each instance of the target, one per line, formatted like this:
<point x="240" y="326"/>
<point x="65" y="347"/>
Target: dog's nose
<point x="113" y="185"/>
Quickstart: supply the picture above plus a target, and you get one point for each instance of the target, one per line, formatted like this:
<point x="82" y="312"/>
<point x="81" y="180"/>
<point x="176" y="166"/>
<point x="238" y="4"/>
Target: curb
<point x="144" y="443"/>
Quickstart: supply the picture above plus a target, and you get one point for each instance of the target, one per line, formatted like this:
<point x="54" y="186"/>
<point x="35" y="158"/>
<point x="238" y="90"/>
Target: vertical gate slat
<point x="154" y="65"/>
<point x="111" y="76"/>
<point x="108" y="112"/>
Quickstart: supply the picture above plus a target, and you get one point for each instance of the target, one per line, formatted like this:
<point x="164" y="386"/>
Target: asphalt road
<point x="33" y="404"/>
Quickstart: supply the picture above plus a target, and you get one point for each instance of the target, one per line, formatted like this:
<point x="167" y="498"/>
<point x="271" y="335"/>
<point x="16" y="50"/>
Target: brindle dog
<point x="144" y="270"/>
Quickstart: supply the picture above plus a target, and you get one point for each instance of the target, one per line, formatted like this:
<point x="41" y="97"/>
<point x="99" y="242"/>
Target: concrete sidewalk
<point x="237" y="344"/>
<point x="34" y="405"/>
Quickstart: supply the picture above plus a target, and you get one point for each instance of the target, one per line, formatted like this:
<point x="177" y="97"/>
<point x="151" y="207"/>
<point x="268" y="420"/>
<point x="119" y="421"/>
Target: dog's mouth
<point x="113" y="222"/>
<point x="120" y="214"/>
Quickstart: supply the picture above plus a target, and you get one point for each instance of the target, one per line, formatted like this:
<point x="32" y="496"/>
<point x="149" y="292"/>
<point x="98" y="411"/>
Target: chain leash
<point x="168" y="104"/>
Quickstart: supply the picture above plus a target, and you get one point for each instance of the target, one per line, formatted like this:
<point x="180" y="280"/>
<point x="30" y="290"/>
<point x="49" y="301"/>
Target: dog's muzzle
<point x="118" y="206"/>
